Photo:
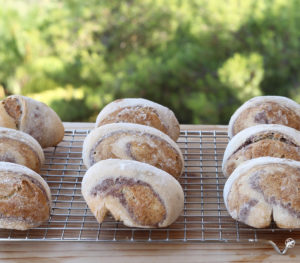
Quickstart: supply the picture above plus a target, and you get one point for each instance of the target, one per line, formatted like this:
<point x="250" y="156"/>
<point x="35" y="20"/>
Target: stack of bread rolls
<point x="26" y="125"/>
<point x="262" y="163"/>
<point x="133" y="162"/>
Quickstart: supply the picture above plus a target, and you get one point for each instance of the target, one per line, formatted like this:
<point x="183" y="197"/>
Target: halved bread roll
<point x="136" y="193"/>
<point x="265" y="110"/>
<point x="140" y="111"/>
<point x="25" y="198"/>
<point x="133" y="142"/>
<point x="19" y="147"/>
<point x="264" y="187"/>
<point x="32" y="117"/>
<point x="262" y="140"/>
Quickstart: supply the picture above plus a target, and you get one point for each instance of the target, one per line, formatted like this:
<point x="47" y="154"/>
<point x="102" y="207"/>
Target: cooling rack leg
<point x="289" y="243"/>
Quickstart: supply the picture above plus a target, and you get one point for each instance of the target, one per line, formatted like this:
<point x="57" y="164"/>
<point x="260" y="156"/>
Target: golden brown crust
<point x="145" y="148"/>
<point x="22" y="200"/>
<point x="15" y="151"/>
<point x="267" y="113"/>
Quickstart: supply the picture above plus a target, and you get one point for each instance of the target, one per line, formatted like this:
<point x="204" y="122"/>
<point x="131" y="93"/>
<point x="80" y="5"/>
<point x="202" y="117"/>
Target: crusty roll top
<point x="25" y="198"/>
<point x="32" y="117"/>
<point x="140" y="111"/>
<point x="136" y="193"/>
<point x="262" y="187"/>
<point x="265" y="110"/>
<point x="262" y="140"/>
<point x="133" y="142"/>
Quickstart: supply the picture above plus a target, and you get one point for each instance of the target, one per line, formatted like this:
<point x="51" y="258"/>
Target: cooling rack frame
<point x="204" y="218"/>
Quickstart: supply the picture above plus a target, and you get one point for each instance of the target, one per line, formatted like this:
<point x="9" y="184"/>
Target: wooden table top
<point x="143" y="252"/>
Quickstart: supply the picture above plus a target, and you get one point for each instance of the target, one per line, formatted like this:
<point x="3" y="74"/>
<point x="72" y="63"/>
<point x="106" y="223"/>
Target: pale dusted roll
<point x="265" y="110"/>
<point x="138" y="194"/>
<point x="32" y="117"/>
<point x="263" y="188"/>
<point x="261" y="140"/>
<point x="133" y="142"/>
<point x="19" y="147"/>
<point x="140" y="111"/>
<point x="25" y="199"/>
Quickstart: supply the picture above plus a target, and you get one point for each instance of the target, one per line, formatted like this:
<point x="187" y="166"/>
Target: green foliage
<point x="201" y="58"/>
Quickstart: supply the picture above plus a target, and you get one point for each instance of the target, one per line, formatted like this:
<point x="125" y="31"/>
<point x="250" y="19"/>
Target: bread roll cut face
<point x="265" y="110"/>
<point x="140" y="111"/>
<point x="138" y="194"/>
<point x="32" y="117"/>
<point x="133" y="142"/>
<point x="263" y="188"/>
<point x="258" y="141"/>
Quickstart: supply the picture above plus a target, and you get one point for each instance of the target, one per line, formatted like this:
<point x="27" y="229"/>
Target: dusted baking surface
<point x="204" y="219"/>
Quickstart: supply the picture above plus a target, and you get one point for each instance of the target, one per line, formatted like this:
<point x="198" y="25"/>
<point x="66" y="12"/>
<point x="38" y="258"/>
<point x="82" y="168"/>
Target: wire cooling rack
<point x="204" y="218"/>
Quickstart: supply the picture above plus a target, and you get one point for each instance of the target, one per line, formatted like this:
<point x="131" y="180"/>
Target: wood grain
<point x="114" y="252"/>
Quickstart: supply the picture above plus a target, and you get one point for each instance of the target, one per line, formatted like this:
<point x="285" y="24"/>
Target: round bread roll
<point x="136" y="193"/>
<point x="265" y="110"/>
<point x="261" y="140"/>
<point x="140" y="111"/>
<point x="25" y="198"/>
<point x="262" y="188"/>
<point x="32" y="117"/>
<point x="133" y="142"/>
<point x="19" y="147"/>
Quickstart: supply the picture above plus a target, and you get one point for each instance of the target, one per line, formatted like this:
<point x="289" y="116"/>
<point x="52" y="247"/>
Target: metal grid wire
<point x="204" y="218"/>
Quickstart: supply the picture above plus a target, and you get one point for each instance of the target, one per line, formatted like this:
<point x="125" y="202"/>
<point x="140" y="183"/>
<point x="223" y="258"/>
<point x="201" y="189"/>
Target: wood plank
<point x="93" y="252"/>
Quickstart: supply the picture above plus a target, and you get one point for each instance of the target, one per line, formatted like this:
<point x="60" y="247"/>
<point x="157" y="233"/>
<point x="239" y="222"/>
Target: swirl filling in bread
<point x="268" y="143"/>
<point x="262" y="188"/>
<point x="267" y="113"/>
<point x="139" y="146"/>
<point x="136" y="193"/>
<point x="265" y="110"/>
<point x="140" y="200"/>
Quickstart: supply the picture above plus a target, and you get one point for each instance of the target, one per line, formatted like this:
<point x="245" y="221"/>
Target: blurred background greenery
<point x="201" y="58"/>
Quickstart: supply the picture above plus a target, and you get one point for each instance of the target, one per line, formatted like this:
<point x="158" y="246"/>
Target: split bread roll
<point x="32" y="117"/>
<point x="136" y="193"/>
<point x="264" y="187"/>
<point x="133" y="142"/>
<point x="19" y="147"/>
<point x="25" y="198"/>
<point x="265" y="110"/>
<point x="140" y="111"/>
<point x="262" y="140"/>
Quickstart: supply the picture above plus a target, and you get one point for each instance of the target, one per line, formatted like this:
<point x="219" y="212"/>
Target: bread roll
<point x="264" y="187"/>
<point x="33" y="117"/>
<point x="136" y="193"/>
<point x="262" y="140"/>
<point x="265" y="110"/>
<point x="25" y="197"/>
<point x="140" y="111"/>
<point x="19" y="147"/>
<point x="133" y="142"/>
